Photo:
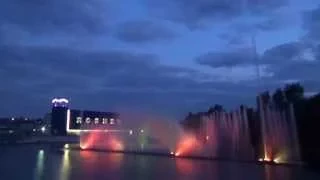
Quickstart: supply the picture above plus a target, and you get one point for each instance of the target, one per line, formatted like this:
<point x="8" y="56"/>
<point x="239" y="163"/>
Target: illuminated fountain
<point x="279" y="132"/>
<point x="226" y="135"/>
<point x="222" y="135"/>
<point x="145" y="137"/>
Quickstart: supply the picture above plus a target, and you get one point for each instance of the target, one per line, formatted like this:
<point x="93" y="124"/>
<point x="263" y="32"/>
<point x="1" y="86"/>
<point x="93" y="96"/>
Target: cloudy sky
<point x="166" y="57"/>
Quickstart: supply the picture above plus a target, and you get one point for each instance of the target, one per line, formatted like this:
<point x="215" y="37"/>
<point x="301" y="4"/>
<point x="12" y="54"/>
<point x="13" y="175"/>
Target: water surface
<point x="47" y="162"/>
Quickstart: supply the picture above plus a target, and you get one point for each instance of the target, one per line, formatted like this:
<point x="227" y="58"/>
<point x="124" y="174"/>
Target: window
<point x="79" y="120"/>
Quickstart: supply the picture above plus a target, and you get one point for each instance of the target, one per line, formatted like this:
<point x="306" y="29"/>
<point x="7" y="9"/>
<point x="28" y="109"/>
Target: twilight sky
<point x="166" y="57"/>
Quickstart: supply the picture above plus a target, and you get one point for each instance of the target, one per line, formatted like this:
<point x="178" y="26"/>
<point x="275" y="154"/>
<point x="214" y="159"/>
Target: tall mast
<point x="256" y="60"/>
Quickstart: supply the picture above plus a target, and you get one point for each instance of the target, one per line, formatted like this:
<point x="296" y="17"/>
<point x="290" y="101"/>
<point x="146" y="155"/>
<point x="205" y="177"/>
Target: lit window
<point x="79" y="120"/>
<point x="96" y="120"/>
<point x="88" y="120"/>
<point x="104" y="120"/>
<point x="111" y="121"/>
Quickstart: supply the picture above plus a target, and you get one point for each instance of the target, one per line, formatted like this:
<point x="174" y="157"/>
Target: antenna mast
<point x="256" y="60"/>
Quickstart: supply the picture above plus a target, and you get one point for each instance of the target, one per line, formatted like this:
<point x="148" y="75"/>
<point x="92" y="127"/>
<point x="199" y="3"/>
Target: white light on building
<point x="88" y="120"/>
<point x="111" y="121"/>
<point x="96" y="120"/>
<point x="104" y="120"/>
<point x="79" y="120"/>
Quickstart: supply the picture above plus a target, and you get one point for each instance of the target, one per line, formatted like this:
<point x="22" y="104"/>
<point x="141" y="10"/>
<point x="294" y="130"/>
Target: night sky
<point x="166" y="57"/>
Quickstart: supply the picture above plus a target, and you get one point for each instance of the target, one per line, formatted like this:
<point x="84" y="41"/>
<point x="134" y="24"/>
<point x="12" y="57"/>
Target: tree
<point x="294" y="92"/>
<point x="265" y="97"/>
<point x="216" y="108"/>
<point x="192" y="122"/>
<point x="278" y="98"/>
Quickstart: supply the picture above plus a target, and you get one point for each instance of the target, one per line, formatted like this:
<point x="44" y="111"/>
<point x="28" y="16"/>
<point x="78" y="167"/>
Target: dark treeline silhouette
<point x="307" y="113"/>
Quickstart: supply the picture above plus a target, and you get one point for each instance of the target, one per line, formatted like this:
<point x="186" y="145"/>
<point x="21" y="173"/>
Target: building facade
<point x="66" y="121"/>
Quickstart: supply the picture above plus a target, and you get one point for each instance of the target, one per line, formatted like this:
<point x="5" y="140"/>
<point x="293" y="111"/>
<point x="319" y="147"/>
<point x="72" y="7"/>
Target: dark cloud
<point x="277" y="55"/>
<point x="143" y="32"/>
<point x="284" y="53"/>
<point x="231" y="58"/>
<point x="102" y="80"/>
<point x="37" y="16"/>
<point x="194" y="13"/>
<point x="311" y="21"/>
<point x="284" y="63"/>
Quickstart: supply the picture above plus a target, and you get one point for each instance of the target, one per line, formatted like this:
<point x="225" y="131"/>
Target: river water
<point x="44" y="162"/>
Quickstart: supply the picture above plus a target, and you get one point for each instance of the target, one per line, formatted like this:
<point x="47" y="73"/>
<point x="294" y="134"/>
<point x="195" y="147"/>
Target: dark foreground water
<point x="27" y="162"/>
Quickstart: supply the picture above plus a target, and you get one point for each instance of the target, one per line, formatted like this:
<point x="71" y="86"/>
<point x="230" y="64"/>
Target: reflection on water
<point x="185" y="166"/>
<point x="274" y="174"/>
<point x="65" y="165"/>
<point x="33" y="162"/>
<point x="40" y="165"/>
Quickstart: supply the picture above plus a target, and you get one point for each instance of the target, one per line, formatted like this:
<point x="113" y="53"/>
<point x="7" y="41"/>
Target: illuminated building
<point x="65" y="121"/>
<point x="59" y="116"/>
<point x="78" y="120"/>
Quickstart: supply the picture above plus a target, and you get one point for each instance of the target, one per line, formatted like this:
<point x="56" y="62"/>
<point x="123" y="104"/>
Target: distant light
<point x="260" y="159"/>
<point x="141" y="130"/>
<point x="43" y="129"/>
<point x="11" y="131"/>
<point x="41" y="151"/>
<point x="34" y="130"/>
<point x="26" y="119"/>
<point x="207" y="138"/>
<point x="172" y="153"/>
<point x="12" y="119"/>
<point x="177" y="154"/>
<point x="66" y="146"/>
<point x="130" y="132"/>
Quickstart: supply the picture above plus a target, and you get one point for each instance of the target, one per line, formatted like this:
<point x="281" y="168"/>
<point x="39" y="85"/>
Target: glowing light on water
<point x="267" y="159"/>
<point x="186" y="145"/>
<point x="40" y="165"/>
<point x="116" y="145"/>
<point x="89" y="141"/>
<point x="65" y="165"/>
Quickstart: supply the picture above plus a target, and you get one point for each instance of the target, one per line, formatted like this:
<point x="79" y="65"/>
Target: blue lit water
<point x="43" y="162"/>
